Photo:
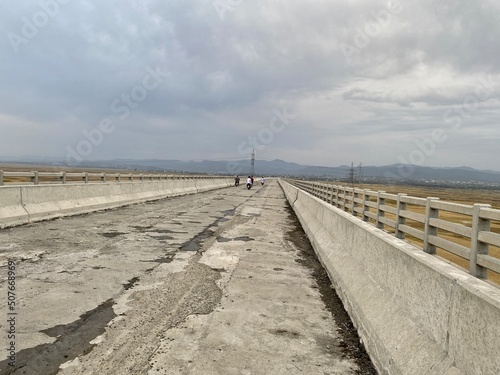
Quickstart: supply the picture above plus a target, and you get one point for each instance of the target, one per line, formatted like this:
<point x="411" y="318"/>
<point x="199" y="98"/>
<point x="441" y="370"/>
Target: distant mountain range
<point x="387" y="173"/>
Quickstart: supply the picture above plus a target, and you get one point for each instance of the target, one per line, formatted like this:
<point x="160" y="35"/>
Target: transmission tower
<point x="252" y="169"/>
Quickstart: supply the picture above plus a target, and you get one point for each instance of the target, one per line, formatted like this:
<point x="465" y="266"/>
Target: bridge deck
<point x="222" y="282"/>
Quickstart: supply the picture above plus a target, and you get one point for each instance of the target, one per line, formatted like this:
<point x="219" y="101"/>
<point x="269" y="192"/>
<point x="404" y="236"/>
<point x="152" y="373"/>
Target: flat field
<point x="21" y="167"/>
<point x="461" y="196"/>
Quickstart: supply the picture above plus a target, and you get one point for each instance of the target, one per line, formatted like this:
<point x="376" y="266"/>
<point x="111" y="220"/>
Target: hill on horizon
<point x="278" y="167"/>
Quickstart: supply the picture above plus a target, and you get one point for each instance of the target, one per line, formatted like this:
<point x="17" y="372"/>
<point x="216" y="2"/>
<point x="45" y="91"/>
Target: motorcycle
<point x="249" y="185"/>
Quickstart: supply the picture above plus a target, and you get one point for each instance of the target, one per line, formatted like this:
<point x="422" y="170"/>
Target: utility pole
<point x="252" y="172"/>
<point x="351" y="174"/>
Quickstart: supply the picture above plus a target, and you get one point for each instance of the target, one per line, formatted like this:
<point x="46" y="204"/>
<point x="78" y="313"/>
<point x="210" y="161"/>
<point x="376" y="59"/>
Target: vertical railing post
<point x="34" y="178"/>
<point x="331" y="194"/>
<point x="380" y="212"/>
<point x="430" y="213"/>
<point x="118" y="177"/>
<point x="478" y="247"/>
<point x="86" y="177"/>
<point x="355" y="196"/>
<point x="103" y="177"/>
<point x="400" y="220"/>
<point x="344" y="200"/>
<point x="141" y="177"/>
<point x="365" y="207"/>
<point x="63" y="178"/>
<point x="1" y="178"/>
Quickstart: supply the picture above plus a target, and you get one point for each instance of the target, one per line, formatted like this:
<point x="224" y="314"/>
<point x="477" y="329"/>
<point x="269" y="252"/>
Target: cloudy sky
<point x="319" y="82"/>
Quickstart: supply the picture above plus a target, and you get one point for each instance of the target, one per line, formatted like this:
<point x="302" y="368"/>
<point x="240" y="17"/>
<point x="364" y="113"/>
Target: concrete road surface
<point x="223" y="282"/>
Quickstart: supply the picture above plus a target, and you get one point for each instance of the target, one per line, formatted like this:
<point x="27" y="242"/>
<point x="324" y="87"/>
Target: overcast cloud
<point x="314" y="82"/>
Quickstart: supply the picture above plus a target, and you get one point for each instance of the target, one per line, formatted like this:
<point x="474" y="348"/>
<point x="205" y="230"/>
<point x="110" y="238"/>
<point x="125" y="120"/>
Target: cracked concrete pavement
<point x="210" y="283"/>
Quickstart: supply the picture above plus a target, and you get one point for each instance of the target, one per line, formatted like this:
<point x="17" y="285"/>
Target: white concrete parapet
<point x="415" y="313"/>
<point x="25" y="204"/>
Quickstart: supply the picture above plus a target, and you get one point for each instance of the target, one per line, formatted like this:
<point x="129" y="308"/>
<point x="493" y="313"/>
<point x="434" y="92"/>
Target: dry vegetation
<point x="462" y="196"/>
<point x="55" y="169"/>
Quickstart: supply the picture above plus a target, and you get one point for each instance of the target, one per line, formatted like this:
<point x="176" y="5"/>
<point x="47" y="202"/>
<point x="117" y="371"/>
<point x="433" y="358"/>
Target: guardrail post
<point x="103" y="177"/>
<point x="141" y="177"/>
<point x="355" y="196"/>
<point x="430" y="213"/>
<point x="478" y="247"/>
<point x="380" y="213"/>
<point x="1" y="178"/>
<point x="118" y="177"/>
<point x="344" y="200"/>
<point x="34" y="179"/>
<point x="336" y="204"/>
<point x="330" y="194"/>
<point x="63" y="177"/>
<point x="86" y="177"/>
<point x="365" y="207"/>
<point x="400" y="220"/>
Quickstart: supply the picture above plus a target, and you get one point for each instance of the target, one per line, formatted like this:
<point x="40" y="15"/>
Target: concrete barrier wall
<point x="24" y="204"/>
<point x="415" y="313"/>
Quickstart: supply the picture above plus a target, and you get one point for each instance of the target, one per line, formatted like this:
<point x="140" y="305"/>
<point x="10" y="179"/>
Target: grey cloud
<point x="227" y="76"/>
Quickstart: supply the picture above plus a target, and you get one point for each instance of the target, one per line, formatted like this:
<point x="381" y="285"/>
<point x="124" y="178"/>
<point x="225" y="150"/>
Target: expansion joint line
<point x="22" y="203"/>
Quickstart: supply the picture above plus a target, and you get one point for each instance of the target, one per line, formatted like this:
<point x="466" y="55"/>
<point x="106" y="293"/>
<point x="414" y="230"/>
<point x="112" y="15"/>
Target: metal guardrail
<point x="36" y="177"/>
<point x="399" y="213"/>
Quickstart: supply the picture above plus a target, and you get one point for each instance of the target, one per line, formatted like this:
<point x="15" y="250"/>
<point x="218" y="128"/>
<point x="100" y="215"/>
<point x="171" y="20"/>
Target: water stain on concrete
<point x="73" y="339"/>
<point x="286" y="333"/>
<point x="163" y="238"/>
<point x="112" y="234"/>
<point x="242" y="238"/>
<point x="131" y="283"/>
<point x="195" y="243"/>
<point x="141" y="228"/>
<point x="164" y="231"/>
<point x="165" y="259"/>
